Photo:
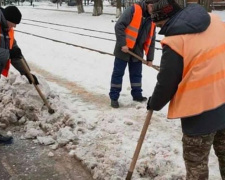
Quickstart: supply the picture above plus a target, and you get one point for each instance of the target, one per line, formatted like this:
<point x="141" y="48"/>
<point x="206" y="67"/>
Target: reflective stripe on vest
<point x="149" y="39"/>
<point x="133" y="28"/>
<point x="203" y="81"/>
<point x="5" y="71"/>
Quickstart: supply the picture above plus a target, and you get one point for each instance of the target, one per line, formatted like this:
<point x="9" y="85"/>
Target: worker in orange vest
<point x="134" y="31"/>
<point x="10" y="53"/>
<point x="192" y="78"/>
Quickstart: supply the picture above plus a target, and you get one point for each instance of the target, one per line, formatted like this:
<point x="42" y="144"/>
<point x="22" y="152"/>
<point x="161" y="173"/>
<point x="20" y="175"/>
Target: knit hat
<point x="12" y="14"/>
<point x="164" y="9"/>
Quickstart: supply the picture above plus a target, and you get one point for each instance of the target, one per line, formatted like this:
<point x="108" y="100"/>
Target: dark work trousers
<point x="135" y="73"/>
<point x="196" y="151"/>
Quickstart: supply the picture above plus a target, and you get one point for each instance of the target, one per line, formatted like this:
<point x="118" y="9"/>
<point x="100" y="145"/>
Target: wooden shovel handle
<point x="140" y="142"/>
<point x="50" y="110"/>
<point x="142" y="60"/>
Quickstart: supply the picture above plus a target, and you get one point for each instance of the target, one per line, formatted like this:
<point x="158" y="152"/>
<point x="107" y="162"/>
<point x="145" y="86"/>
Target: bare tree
<point x="86" y="2"/>
<point x="206" y="4"/>
<point x="80" y="7"/>
<point x="182" y="3"/>
<point x="98" y="8"/>
<point x="118" y="8"/>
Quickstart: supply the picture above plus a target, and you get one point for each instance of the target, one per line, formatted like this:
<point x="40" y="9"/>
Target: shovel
<point x="140" y="142"/>
<point x="142" y="60"/>
<point x="50" y="110"/>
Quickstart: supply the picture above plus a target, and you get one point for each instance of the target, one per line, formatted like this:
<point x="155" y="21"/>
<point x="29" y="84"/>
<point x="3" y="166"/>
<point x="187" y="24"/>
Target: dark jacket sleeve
<point x="16" y="62"/>
<point x="151" y="52"/>
<point x="4" y="56"/>
<point x="121" y="25"/>
<point x="168" y="79"/>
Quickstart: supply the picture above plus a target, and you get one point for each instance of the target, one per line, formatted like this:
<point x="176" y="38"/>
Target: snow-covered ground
<point x="76" y="82"/>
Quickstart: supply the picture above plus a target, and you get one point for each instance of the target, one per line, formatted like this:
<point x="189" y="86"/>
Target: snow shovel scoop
<point x="50" y="110"/>
<point x="142" y="60"/>
<point x="139" y="144"/>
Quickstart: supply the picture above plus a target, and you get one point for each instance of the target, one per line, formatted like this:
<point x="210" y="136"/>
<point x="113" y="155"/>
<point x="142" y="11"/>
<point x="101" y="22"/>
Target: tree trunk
<point x="209" y="4"/>
<point x="206" y="4"/>
<point x="98" y="8"/>
<point x="118" y="12"/>
<point x="181" y="3"/>
<point x="86" y="2"/>
<point x="118" y="8"/>
<point x="80" y="7"/>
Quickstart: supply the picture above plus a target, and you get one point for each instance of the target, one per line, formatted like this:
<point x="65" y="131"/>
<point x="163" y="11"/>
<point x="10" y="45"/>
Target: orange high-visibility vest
<point x="149" y="39"/>
<point x="133" y="28"/>
<point x="202" y="87"/>
<point x="5" y="71"/>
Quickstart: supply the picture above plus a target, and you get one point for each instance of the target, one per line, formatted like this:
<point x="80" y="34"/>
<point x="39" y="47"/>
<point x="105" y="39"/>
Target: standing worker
<point x="134" y="31"/>
<point x="192" y="78"/>
<point x="10" y="53"/>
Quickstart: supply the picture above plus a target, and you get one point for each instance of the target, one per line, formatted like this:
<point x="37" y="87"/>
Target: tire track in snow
<point x="64" y="25"/>
<point x="58" y="41"/>
<point x="108" y="39"/>
<point x="99" y="100"/>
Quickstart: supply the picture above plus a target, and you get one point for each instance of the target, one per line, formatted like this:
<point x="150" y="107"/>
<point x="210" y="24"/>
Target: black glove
<point x="148" y="103"/>
<point x="34" y="77"/>
<point x="15" y="53"/>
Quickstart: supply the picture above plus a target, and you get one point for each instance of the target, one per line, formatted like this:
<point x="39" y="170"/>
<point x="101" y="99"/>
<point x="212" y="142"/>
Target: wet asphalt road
<point x="25" y="160"/>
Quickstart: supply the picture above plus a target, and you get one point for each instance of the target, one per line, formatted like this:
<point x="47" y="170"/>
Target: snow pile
<point x="104" y="139"/>
<point x="107" y="152"/>
<point x="21" y="105"/>
<point x="100" y="143"/>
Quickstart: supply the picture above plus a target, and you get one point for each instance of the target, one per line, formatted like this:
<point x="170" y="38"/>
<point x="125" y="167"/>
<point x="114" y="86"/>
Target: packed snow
<point x="76" y="82"/>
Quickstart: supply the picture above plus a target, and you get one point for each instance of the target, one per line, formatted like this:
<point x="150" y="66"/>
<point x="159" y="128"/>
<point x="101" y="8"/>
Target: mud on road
<point x="25" y="160"/>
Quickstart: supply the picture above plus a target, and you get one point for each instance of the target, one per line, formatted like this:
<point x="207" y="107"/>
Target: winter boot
<point x="114" y="104"/>
<point x="6" y="139"/>
<point x="139" y="99"/>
